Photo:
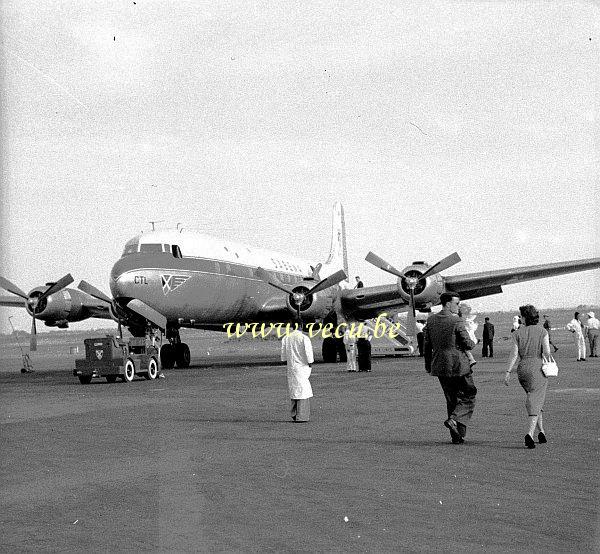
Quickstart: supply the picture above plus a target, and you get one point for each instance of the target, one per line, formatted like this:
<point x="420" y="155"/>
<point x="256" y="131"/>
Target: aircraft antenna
<point x="153" y="222"/>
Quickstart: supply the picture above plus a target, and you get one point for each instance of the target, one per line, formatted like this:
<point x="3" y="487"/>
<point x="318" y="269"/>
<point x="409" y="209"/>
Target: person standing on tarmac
<point x="350" y="343"/>
<point x="576" y="327"/>
<point x="548" y="327"/>
<point x="363" y="349"/>
<point x="487" y="350"/>
<point x="593" y="330"/>
<point x="297" y="351"/>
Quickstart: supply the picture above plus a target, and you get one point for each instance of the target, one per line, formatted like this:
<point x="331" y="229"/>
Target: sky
<point x="441" y="126"/>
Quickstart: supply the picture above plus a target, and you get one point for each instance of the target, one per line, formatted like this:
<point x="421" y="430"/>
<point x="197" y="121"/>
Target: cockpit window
<point x="176" y="252"/>
<point x="131" y="247"/>
<point x="151" y="248"/>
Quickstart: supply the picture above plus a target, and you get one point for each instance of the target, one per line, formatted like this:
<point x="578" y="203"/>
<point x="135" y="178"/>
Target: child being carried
<point x="471" y="326"/>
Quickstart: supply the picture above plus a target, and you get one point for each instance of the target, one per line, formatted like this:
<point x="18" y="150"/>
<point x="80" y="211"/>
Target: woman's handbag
<point x="549" y="367"/>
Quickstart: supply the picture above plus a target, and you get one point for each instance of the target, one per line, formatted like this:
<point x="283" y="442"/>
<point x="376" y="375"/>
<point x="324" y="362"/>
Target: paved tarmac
<point x="207" y="460"/>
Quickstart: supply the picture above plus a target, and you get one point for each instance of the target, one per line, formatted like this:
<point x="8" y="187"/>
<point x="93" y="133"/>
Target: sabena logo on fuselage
<point x="172" y="282"/>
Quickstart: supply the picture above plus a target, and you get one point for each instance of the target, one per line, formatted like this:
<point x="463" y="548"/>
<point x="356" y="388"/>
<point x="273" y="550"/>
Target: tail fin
<point x="338" y="256"/>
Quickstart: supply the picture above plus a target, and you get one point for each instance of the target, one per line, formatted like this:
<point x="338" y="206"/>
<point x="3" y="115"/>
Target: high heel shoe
<point x="542" y="438"/>
<point x="529" y="441"/>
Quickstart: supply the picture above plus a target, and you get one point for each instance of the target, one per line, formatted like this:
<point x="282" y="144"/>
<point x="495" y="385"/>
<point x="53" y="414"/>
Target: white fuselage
<point x="195" y="280"/>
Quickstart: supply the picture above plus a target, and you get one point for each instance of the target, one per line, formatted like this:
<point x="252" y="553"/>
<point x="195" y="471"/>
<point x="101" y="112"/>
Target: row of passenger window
<point x="280" y="264"/>
<point x="224" y="268"/>
<point x="210" y="266"/>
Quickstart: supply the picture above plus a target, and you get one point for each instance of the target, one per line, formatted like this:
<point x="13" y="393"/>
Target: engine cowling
<point x="312" y="306"/>
<point x="426" y="291"/>
<point x="64" y="306"/>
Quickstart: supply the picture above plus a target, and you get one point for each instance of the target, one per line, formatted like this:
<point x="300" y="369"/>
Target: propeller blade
<point x="33" y="337"/>
<point x="147" y="312"/>
<point x="59" y="285"/>
<point x="382" y="264"/>
<point x="333" y="279"/>
<point x="93" y="291"/>
<point x="273" y="281"/>
<point x="447" y="262"/>
<point x="11" y="287"/>
<point x="411" y="316"/>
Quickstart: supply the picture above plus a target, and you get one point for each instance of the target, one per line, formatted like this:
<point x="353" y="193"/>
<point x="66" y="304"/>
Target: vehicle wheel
<point x="85" y="379"/>
<point x="152" y="369"/>
<point x="167" y="356"/>
<point x="182" y="355"/>
<point x="111" y="378"/>
<point x="329" y="350"/>
<point x="129" y="371"/>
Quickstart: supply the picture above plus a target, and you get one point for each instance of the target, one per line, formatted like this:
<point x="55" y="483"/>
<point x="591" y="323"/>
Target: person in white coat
<point x="351" y="352"/>
<point x="297" y="351"/>
<point x="576" y="327"/>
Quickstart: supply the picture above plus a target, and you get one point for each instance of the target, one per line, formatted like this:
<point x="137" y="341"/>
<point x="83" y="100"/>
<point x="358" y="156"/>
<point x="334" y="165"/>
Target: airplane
<point x="177" y="278"/>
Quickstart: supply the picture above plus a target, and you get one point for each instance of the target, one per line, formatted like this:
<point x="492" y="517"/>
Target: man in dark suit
<point x="446" y="340"/>
<point x="488" y="339"/>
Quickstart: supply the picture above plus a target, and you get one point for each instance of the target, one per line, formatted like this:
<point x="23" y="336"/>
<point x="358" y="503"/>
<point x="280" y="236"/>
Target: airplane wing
<point x="474" y="285"/>
<point x="369" y="302"/>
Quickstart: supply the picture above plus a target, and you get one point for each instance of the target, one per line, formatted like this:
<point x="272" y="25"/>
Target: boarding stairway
<point x="401" y="345"/>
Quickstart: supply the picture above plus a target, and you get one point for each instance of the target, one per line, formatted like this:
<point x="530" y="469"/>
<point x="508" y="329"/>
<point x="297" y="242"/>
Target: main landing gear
<point x="174" y="353"/>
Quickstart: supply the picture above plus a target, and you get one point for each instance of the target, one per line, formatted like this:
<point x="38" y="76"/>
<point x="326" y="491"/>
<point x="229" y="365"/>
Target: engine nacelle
<point x="426" y="291"/>
<point x="62" y="307"/>
<point x="312" y="306"/>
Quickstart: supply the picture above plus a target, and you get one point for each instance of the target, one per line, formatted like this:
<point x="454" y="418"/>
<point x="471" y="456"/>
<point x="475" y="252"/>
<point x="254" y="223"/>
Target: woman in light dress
<point x="530" y="342"/>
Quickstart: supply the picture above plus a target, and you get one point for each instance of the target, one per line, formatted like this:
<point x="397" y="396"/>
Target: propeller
<point x="99" y="295"/>
<point x="412" y="281"/>
<point x="299" y="296"/>
<point x="382" y="264"/>
<point x="35" y="300"/>
<point x="93" y="291"/>
<point x="139" y="307"/>
<point x="11" y="287"/>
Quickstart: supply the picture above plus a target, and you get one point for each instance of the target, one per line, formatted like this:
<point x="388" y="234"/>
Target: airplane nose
<point x="119" y="284"/>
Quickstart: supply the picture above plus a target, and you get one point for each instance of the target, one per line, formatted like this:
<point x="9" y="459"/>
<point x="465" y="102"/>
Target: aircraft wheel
<point x="329" y="350"/>
<point x="167" y="356"/>
<point x="182" y="355"/>
<point x="152" y="369"/>
<point x="85" y="379"/>
<point x="111" y="378"/>
<point x="129" y="371"/>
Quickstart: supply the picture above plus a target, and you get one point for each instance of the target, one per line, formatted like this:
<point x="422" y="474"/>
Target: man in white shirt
<point x="593" y="326"/>
<point x="296" y="349"/>
<point x="576" y="327"/>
